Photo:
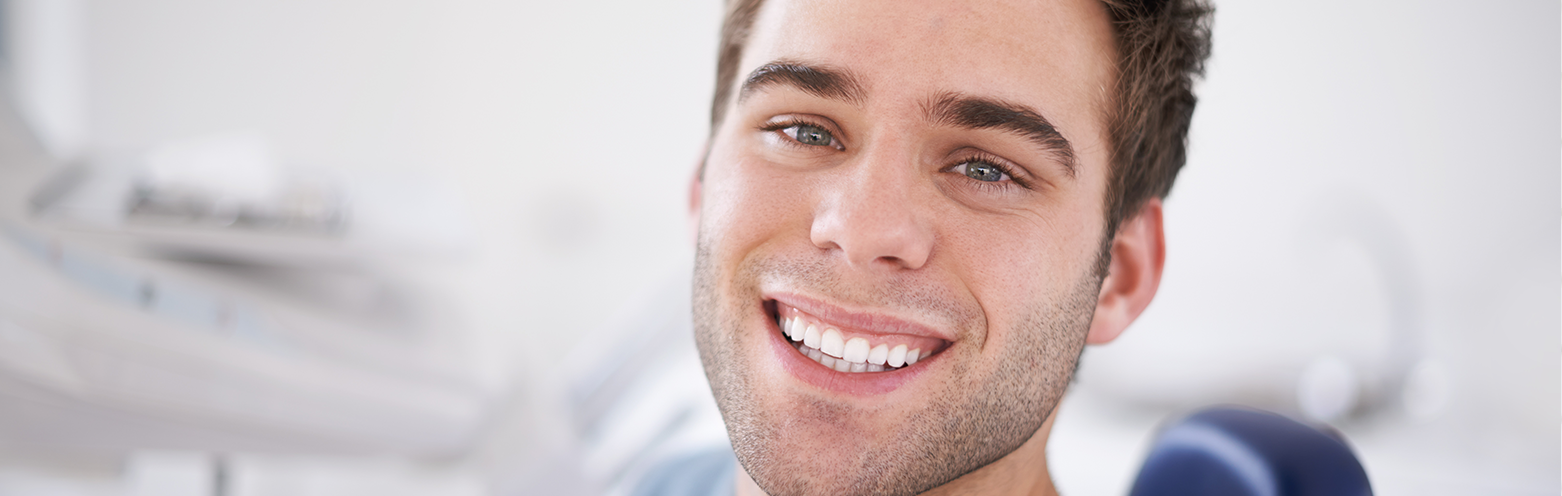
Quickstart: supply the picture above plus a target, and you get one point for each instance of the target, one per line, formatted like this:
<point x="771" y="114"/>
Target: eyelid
<point x="783" y="122"/>
<point x="1017" y="174"/>
<point x="967" y="163"/>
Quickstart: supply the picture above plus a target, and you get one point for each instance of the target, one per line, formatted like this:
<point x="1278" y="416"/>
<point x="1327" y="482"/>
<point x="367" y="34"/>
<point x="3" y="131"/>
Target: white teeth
<point x="897" y="356"/>
<point x="856" y="351"/>
<point x="832" y="344"/>
<point x="811" y="337"/>
<point x="830" y="348"/>
<point x="879" y="354"/>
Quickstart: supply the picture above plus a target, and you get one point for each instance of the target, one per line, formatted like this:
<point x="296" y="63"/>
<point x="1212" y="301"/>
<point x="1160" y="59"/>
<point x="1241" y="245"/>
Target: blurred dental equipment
<point x="200" y="297"/>
<point x="226" y="197"/>
<point x="231" y="180"/>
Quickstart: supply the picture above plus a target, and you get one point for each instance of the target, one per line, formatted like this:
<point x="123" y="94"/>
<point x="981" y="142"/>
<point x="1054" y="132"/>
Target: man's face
<point x="892" y="173"/>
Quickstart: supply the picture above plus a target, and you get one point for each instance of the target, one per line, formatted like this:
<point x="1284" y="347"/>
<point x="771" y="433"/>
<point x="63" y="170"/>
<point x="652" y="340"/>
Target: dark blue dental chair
<point x="1241" y="452"/>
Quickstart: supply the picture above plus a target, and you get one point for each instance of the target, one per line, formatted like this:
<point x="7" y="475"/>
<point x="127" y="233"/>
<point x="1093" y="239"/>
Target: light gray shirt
<point x="703" y="473"/>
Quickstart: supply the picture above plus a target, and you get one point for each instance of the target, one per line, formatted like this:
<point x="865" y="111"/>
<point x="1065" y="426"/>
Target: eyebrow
<point x="971" y="112"/>
<point x="823" y="82"/>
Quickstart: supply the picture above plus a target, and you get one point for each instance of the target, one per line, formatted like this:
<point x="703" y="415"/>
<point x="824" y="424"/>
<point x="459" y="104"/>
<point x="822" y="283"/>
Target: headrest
<point x="1230" y="451"/>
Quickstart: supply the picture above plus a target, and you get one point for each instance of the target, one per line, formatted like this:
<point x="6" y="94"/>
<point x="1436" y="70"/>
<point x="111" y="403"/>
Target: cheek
<point x="1016" y="266"/>
<point x="747" y="204"/>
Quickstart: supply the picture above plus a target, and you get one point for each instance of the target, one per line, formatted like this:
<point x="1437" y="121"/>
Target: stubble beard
<point x="971" y="422"/>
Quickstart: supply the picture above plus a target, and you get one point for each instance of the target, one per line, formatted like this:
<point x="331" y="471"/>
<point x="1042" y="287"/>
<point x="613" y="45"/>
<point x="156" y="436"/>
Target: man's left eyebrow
<point x="987" y="113"/>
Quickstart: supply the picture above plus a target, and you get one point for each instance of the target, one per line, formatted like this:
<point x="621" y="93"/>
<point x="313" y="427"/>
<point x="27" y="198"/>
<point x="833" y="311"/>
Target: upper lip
<point x="860" y="320"/>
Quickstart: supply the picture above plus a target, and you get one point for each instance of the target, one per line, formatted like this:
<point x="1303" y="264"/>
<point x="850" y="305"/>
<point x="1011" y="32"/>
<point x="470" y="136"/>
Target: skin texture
<point x="885" y="221"/>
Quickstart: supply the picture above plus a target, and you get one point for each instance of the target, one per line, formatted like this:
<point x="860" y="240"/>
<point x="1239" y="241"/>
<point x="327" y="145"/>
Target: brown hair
<point x="1162" y="46"/>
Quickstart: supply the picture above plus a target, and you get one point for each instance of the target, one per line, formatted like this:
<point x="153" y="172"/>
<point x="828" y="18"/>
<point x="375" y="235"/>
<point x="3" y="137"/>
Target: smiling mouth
<point x="852" y="351"/>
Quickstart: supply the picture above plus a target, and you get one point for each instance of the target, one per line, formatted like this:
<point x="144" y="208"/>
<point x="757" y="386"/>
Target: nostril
<point x="909" y="254"/>
<point x="868" y="230"/>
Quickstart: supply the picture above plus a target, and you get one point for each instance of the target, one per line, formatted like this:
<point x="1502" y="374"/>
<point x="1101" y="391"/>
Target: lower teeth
<point x="840" y="365"/>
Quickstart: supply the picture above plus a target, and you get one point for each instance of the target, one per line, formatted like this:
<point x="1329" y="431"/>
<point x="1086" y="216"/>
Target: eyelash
<point x="997" y="163"/>
<point x="793" y="122"/>
<point x="981" y="157"/>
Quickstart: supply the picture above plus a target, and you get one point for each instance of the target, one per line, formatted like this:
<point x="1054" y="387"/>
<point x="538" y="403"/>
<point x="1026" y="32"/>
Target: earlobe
<point x="1138" y="257"/>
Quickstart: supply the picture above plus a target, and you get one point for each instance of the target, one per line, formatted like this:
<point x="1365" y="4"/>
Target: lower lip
<point x="855" y="384"/>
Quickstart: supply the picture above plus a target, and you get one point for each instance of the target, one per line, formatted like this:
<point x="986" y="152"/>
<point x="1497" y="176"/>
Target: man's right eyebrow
<point x="823" y="82"/>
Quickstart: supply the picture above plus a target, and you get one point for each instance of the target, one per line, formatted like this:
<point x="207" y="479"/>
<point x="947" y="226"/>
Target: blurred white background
<point x="1368" y="231"/>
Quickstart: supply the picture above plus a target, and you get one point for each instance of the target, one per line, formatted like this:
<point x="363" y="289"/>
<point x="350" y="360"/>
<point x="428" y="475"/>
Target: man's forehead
<point x="941" y="39"/>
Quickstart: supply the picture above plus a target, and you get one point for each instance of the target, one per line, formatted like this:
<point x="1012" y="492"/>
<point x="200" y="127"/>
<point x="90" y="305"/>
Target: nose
<point x="871" y="216"/>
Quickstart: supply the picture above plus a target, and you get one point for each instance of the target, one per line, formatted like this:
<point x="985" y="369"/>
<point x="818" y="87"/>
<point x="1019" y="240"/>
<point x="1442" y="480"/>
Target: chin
<point x="875" y="392"/>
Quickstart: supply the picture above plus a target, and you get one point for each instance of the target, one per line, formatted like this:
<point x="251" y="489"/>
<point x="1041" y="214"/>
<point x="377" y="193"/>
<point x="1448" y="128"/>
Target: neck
<point x="1021" y="472"/>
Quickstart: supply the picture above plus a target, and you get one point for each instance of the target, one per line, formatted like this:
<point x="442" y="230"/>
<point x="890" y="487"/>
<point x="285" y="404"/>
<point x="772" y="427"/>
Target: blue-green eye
<point x="982" y="171"/>
<point x="809" y="134"/>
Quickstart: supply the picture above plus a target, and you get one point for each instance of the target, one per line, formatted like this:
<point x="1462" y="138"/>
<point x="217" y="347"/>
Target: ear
<point x="696" y="181"/>
<point x="1138" y="256"/>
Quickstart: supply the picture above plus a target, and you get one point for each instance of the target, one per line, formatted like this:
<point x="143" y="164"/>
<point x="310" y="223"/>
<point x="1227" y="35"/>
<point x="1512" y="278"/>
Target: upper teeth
<point x="829" y="347"/>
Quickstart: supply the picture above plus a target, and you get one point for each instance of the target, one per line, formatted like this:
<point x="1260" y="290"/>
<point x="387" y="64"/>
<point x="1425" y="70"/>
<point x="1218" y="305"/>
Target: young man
<point x="913" y="216"/>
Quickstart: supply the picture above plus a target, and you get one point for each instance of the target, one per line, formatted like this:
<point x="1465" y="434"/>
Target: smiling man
<point x="913" y="216"/>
